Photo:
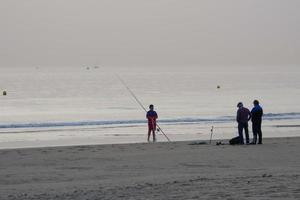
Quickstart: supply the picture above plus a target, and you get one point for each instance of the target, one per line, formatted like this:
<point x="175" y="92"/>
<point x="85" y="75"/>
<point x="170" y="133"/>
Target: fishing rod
<point x="141" y="105"/>
<point x="211" y="134"/>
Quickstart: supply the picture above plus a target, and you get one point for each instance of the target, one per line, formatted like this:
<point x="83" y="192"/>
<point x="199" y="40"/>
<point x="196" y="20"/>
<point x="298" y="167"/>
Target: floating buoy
<point x="4" y="93"/>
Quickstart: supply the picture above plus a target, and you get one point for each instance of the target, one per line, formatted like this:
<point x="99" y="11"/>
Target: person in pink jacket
<point x="151" y="116"/>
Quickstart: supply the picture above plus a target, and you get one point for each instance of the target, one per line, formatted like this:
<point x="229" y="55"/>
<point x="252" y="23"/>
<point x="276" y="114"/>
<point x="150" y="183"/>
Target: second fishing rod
<point x="140" y="104"/>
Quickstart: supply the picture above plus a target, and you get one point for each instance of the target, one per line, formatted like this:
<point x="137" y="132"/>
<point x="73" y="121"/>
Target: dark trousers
<point x="256" y="129"/>
<point x="241" y="126"/>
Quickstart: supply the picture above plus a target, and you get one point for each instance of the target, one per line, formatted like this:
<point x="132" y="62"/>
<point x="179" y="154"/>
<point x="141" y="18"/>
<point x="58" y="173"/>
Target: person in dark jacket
<point x="242" y="117"/>
<point x="256" y="113"/>
<point x="151" y="116"/>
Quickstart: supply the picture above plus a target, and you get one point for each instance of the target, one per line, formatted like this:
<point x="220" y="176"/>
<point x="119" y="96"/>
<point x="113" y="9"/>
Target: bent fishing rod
<point x="140" y="104"/>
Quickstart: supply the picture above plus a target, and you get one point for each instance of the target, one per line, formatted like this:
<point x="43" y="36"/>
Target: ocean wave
<point x="291" y="115"/>
<point x="116" y="123"/>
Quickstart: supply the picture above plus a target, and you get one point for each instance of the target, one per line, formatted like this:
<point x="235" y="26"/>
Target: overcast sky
<point x="149" y="32"/>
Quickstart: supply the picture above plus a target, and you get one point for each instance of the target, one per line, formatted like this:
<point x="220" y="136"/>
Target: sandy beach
<point x="78" y="79"/>
<point x="153" y="171"/>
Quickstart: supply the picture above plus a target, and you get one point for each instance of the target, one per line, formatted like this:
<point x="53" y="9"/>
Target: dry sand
<point x="153" y="171"/>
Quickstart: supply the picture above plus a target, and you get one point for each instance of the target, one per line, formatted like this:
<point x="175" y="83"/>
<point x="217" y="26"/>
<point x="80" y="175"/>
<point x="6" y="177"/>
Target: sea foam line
<point x="185" y="120"/>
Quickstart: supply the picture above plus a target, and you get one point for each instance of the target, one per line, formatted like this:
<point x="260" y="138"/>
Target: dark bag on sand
<point x="235" y="140"/>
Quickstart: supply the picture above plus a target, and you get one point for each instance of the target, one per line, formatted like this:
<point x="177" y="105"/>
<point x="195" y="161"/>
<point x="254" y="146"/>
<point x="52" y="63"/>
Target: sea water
<point x="77" y="105"/>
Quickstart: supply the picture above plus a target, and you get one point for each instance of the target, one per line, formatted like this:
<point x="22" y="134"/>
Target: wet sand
<point x="153" y="171"/>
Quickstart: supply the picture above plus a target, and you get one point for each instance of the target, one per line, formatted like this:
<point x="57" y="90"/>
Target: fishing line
<point x="140" y="104"/>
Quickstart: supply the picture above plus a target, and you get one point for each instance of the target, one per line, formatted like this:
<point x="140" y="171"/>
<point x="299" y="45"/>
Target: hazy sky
<point x="149" y="32"/>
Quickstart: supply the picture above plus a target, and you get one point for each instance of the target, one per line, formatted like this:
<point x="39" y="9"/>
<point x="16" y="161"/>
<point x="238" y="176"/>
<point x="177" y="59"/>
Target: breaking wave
<point x="118" y="123"/>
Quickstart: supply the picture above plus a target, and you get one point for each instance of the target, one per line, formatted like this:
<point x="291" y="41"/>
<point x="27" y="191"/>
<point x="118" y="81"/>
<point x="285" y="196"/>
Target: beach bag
<point x="235" y="140"/>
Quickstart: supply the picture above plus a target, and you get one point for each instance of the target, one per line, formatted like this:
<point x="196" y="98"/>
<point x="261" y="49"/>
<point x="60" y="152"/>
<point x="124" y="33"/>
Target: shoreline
<point x="213" y="142"/>
<point x="97" y="135"/>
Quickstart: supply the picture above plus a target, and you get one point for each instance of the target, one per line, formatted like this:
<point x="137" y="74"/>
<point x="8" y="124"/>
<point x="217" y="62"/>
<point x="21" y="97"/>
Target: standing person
<point x="256" y="113"/>
<point x="151" y="116"/>
<point x="242" y="117"/>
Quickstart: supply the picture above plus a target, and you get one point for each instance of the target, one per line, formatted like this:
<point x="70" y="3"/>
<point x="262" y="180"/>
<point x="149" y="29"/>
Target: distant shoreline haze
<point x="149" y="33"/>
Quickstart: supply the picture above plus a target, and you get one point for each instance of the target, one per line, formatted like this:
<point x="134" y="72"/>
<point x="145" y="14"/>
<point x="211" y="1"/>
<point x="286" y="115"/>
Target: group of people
<point x="242" y="117"/>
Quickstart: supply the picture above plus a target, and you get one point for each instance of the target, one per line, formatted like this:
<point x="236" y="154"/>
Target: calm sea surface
<point x="89" y="105"/>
